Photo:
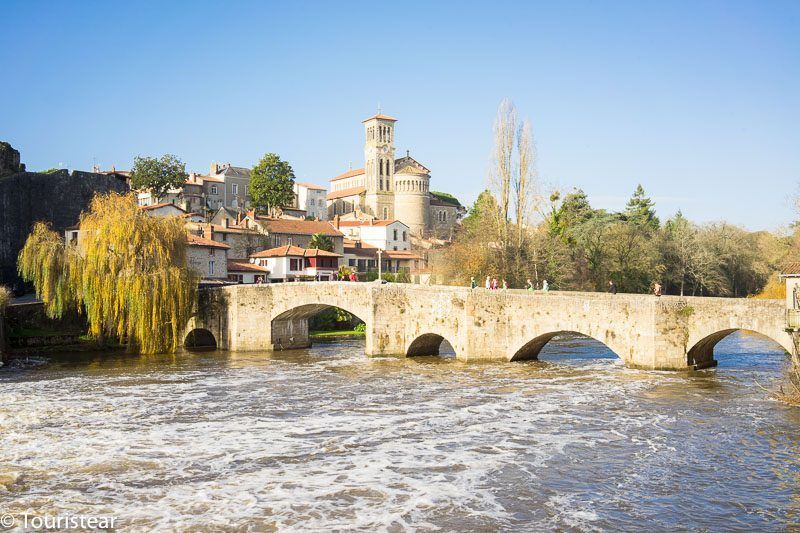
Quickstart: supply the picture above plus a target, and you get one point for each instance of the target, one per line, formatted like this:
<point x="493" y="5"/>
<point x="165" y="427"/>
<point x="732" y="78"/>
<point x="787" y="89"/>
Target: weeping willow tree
<point x="128" y="274"/>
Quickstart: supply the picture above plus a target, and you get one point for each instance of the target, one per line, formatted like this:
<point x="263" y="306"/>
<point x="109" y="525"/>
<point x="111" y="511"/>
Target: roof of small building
<point x="245" y="266"/>
<point x="299" y="227"/>
<point x="234" y="172"/>
<point x="344" y="193"/>
<point x="159" y="206"/>
<point x="380" y="117"/>
<point x="348" y="174"/>
<point x="294" y="251"/>
<point x="370" y="222"/>
<point x="194" y="240"/>
<point x="791" y="269"/>
<point x="312" y="186"/>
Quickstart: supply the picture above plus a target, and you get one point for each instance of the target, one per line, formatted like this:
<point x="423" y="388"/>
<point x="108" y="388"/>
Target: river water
<point x="330" y="439"/>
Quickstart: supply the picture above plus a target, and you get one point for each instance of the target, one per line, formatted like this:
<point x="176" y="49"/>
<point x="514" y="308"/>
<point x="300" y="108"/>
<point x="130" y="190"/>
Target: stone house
<point x="242" y="240"/>
<point x="293" y="263"/>
<point x="207" y="257"/>
<point x="383" y="234"/>
<point x="310" y="198"/>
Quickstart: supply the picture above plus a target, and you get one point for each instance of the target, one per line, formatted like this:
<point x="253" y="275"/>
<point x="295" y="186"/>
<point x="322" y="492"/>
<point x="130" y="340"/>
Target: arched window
<point x="385" y="213"/>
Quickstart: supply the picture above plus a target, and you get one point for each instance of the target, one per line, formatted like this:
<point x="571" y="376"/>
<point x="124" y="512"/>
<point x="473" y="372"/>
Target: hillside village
<point x="381" y="218"/>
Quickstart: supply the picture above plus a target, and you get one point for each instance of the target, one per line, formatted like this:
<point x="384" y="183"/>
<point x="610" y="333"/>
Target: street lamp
<point x="379" y="265"/>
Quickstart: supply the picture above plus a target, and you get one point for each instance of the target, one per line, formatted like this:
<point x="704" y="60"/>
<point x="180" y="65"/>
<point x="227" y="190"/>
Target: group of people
<point x="352" y="276"/>
<point x="492" y="284"/>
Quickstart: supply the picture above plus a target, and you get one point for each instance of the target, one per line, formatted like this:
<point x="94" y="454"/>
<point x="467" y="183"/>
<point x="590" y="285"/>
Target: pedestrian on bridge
<point x="528" y="284"/>
<point x="657" y="289"/>
<point x="488" y="283"/>
<point x="472" y="283"/>
<point x="545" y="286"/>
<point x="612" y="287"/>
<point x="505" y="285"/>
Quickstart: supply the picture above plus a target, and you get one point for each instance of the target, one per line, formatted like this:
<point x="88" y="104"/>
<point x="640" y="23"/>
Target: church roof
<point x="352" y="191"/>
<point x="410" y="165"/>
<point x="349" y="174"/>
<point x="380" y="117"/>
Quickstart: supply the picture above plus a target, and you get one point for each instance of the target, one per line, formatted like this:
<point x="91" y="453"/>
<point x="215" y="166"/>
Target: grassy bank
<point x="336" y="333"/>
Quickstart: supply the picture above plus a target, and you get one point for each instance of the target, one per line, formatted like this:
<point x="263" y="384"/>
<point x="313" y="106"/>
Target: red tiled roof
<point x="231" y="229"/>
<point x="245" y="266"/>
<point x="349" y="174"/>
<point x="159" y="206"/>
<point x="381" y="117"/>
<point x="312" y="186"/>
<point x="352" y="191"/>
<point x="194" y="240"/>
<point x="295" y="251"/>
<point x="299" y="227"/>
<point x="791" y="269"/>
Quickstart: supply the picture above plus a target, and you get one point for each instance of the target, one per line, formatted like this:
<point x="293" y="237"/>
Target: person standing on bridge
<point x="494" y="284"/>
<point x="657" y="289"/>
<point x="505" y="285"/>
<point x="488" y="283"/>
<point x="545" y="286"/>
<point x="612" y="287"/>
<point x="528" y="284"/>
<point x="472" y="283"/>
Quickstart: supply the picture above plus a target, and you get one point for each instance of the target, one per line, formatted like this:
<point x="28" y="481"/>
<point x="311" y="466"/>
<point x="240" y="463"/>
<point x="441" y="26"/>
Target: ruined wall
<point x="58" y="198"/>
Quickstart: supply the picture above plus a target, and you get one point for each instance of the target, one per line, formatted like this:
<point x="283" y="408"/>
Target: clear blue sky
<point x="698" y="101"/>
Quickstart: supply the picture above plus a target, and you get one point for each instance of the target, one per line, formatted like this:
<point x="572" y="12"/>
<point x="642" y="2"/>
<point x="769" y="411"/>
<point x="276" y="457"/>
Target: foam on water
<point x="330" y="439"/>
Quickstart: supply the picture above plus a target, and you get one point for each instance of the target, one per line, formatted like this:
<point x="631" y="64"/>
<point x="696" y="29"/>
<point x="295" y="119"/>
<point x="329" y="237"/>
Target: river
<point x="328" y="438"/>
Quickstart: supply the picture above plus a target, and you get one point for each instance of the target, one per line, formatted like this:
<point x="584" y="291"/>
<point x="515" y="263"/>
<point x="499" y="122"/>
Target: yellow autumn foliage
<point x="128" y="273"/>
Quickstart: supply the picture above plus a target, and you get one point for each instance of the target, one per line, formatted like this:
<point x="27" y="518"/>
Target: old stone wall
<point x="57" y="198"/>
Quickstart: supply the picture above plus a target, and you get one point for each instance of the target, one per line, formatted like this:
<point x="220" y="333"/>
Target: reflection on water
<point x="329" y="439"/>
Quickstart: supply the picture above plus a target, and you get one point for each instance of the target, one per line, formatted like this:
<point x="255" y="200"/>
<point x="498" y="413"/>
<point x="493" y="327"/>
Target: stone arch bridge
<point x="669" y="333"/>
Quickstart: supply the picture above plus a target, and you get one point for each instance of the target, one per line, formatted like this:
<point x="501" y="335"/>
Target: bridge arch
<point x="701" y="354"/>
<point x="427" y="344"/>
<point x="290" y="330"/>
<point x="200" y="338"/>
<point x="531" y="349"/>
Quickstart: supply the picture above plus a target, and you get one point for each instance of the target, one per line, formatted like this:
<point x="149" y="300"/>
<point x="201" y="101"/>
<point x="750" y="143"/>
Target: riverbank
<point x="337" y="334"/>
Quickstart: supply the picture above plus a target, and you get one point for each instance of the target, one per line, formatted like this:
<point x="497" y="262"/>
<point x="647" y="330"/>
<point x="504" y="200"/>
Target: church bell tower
<point x="379" y="165"/>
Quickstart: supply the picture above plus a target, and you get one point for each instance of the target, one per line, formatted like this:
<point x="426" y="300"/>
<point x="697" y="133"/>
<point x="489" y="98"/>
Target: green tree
<point x="271" y="184"/>
<point x="641" y="209"/>
<point x="158" y="175"/>
<point x="129" y="274"/>
<point x="321" y="241"/>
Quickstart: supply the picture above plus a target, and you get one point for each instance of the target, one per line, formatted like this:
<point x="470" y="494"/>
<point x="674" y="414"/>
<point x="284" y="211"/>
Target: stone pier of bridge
<point x="667" y="333"/>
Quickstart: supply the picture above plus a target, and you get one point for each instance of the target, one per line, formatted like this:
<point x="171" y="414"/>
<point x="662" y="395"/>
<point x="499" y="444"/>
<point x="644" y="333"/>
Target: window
<point x="74" y="238"/>
<point x="211" y="268"/>
<point x="351" y="262"/>
<point x="404" y="236"/>
<point x="238" y="278"/>
<point x="235" y="188"/>
<point x="395" y="248"/>
<point x="289" y="241"/>
<point x="395" y="236"/>
<point x="214" y="189"/>
<point x="294" y="264"/>
<point x="385" y="213"/>
<point x="224" y="237"/>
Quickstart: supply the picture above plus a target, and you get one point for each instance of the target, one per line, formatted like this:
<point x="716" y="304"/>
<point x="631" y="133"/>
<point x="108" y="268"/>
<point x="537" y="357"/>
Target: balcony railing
<point x="793" y="318"/>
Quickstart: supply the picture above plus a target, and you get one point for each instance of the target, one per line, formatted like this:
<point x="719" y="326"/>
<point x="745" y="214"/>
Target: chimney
<point x="214" y="169"/>
<point x="208" y="232"/>
<point x="336" y="221"/>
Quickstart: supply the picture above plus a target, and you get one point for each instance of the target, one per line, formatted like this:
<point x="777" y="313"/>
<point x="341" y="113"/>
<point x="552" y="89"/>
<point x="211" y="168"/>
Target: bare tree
<point x="524" y="181"/>
<point x="500" y="177"/>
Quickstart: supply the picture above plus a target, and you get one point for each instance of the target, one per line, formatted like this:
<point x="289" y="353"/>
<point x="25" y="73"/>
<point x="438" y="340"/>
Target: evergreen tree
<point x="640" y="209"/>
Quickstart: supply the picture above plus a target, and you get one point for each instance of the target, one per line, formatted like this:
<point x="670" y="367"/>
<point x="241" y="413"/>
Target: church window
<point x="385" y="213"/>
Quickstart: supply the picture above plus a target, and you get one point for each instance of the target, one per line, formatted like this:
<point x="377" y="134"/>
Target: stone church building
<point x="389" y="188"/>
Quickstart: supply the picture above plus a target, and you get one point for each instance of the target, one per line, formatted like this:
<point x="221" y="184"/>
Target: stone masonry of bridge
<point x="668" y="333"/>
